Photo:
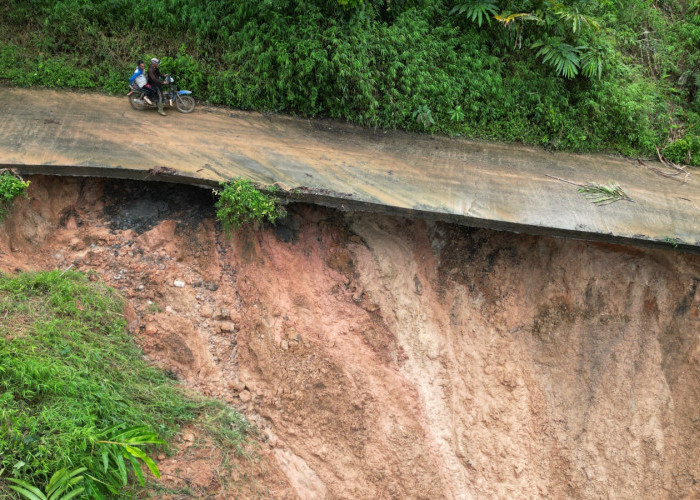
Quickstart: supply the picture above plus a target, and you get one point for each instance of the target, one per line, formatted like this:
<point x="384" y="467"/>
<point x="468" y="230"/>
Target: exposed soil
<point x="392" y="358"/>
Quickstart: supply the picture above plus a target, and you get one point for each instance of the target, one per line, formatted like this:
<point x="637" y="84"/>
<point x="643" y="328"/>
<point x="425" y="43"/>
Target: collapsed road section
<point x="475" y="183"/>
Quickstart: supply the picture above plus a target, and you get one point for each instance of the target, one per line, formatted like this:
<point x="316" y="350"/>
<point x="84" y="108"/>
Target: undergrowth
<point x="581" y="75"/>
<point x="72" y="381"/>
<point x="240" y="203"/>
<point x="11" y="187"/>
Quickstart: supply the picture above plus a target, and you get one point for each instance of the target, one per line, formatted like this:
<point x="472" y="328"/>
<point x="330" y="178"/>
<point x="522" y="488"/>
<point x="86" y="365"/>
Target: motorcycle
<point x="181" y="99"/>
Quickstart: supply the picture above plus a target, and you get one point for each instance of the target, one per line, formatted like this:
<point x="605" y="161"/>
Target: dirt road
<point x="475" y="183"/>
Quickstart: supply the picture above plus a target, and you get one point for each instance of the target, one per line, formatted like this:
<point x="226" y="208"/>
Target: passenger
<point x="138" y="80"/>
<point x="156" y="81"/>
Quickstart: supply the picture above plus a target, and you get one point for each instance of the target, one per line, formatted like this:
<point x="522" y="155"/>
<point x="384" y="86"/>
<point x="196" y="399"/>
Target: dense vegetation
<point x="616" y="75"/>
<point x="72" y="382"/>
<point x="241" y="204"/>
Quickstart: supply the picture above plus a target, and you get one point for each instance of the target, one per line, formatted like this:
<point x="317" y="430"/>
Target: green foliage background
<point x="420" y="65"/>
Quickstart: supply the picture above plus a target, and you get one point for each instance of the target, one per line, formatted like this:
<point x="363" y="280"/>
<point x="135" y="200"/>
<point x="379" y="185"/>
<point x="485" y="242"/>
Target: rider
<point x="156" y="81"/>
<point x="138" y="79"/>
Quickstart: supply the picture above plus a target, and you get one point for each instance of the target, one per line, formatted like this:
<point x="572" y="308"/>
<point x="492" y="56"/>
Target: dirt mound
<point x="390" y="358"/>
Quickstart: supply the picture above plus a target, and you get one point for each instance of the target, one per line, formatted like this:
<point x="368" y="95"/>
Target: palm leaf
<point x="477" y="10"/>
<point x="559" y="55"/>
<point x="602" y="194"/>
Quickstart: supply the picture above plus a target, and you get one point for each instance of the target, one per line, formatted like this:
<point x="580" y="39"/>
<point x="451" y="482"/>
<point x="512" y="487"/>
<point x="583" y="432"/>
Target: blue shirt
<point x="138" y="72"/>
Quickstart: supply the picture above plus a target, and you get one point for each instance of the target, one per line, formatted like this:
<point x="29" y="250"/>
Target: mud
<point x="390" y="358"/>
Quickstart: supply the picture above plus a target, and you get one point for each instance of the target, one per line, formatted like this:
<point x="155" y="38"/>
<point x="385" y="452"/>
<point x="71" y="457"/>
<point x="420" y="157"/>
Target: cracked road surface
<point x="470" y="182"/>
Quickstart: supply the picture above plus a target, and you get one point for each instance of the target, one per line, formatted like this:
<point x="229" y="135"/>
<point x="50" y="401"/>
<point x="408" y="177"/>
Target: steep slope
<point x="392" y="358"/>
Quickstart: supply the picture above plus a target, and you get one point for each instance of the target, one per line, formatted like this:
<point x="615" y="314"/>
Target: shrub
<point x="240" y="204"/>
<point x="685" y="150"/>
<point x="11" y="186"/>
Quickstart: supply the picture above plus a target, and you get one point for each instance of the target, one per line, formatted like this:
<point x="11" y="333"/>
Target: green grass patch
<point x="69" y="371"/>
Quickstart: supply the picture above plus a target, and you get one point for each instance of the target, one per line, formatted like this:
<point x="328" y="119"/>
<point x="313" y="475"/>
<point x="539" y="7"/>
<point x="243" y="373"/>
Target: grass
<point x="69" y="370"/>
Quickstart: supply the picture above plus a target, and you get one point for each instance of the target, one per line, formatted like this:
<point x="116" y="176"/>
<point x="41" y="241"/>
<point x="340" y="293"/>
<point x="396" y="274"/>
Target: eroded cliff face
<point x="392" y="358"/>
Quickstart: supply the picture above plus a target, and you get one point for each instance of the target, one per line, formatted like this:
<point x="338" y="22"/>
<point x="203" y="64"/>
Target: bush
<point x="685" y="150"/>
<point x="240" y="204"/>
<point x="11" y="187"/>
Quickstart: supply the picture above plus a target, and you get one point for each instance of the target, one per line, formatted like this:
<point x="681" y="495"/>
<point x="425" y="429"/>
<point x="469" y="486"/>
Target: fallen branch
<point x="669" y="164"/>
<point x="564" y="180"/>
<point x="669" y="175"/>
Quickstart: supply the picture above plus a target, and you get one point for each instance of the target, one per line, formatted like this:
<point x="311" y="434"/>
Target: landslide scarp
<point x="393" y="358"/>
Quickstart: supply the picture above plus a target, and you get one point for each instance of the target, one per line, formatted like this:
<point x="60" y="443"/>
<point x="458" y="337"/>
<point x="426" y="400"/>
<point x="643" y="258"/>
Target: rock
<point x="245" y="396"/>
<point x="179" y="283"/>
<point x="169" y="310"/>
<point x="285" y="344"/>
<point x="132" y="319"/>
<point x="236" y="385"/>
<point x="151" y="329"/>
<point x="227" y="326"/>
<point x="206" y="311"/>
<point x="188" y="437"/>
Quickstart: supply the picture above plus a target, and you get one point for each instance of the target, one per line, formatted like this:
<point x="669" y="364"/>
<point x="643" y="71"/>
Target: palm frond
<point x="603" y="194"/>
<point x="559" y="55"/>
<point x="477" y="10"/>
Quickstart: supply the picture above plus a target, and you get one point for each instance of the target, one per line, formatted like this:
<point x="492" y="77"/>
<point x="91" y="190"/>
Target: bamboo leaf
<point x="33" y="494"/>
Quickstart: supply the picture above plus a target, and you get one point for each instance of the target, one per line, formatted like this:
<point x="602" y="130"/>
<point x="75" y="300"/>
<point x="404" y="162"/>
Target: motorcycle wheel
<point x="184" y="103"/>
<point x="137" y="106"/>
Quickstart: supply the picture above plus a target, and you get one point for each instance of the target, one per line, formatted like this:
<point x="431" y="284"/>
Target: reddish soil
<point x="392" y="358"/>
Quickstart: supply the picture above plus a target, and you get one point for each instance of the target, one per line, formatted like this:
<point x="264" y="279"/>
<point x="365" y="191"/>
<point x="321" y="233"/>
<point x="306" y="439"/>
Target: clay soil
<point x="392" y="358"/>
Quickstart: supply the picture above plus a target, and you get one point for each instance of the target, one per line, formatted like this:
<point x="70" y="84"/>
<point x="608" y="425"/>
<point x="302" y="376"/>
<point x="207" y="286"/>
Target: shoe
<point x="147" y="100"/>
<point x="161" y="112"/>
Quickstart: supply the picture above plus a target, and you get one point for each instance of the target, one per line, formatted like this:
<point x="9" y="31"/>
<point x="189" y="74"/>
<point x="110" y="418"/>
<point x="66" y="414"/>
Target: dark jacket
<point x="155" y="79"/>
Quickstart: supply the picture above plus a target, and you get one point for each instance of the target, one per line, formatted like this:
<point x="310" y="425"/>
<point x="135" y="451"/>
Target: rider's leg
<point x="147" y="93"/>
<point x="160" y="101"/>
